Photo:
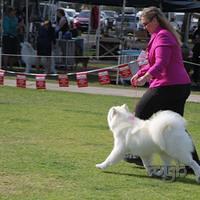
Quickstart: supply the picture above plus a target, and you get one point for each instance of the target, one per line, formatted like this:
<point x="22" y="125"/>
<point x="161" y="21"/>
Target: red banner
<point x="63" y="80"/>
<point x="40" y="81"/>
<point x="125" y="71"/>
<point x="1" y="77"/>
<point x="21" y="80"/>
<point x="104" y="77"/>
<point x="81" y="79"/>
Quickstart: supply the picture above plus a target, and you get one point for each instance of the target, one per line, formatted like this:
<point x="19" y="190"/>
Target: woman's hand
<point x="134" y="80"/>
<point x="140" y="81"/>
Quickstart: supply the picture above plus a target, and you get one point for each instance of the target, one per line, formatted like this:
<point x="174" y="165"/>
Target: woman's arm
<point x="162" y="59"/>
<point x="143" y="70"/>
<point x="163" y="56"/>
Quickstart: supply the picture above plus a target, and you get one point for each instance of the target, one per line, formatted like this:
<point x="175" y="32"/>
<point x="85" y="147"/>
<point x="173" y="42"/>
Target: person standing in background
<point x="62" y="24"/>
<point x="45" y="41"/>
<point x="10" y="40"/>
<point x="21" y="25"/>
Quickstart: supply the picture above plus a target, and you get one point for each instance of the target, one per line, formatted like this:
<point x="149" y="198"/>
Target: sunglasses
<point x="146" y="23"/>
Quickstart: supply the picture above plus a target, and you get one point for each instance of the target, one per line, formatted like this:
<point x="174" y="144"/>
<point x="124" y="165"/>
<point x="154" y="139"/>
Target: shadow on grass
<point x="183" y="180"/>
<point x="126" y="174"/>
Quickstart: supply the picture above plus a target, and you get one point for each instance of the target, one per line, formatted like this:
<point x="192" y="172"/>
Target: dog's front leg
<point x="115" y="156"/>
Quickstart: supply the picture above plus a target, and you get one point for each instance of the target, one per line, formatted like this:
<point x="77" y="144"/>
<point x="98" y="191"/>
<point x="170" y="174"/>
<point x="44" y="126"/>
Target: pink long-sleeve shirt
<point x="165" y="60"/>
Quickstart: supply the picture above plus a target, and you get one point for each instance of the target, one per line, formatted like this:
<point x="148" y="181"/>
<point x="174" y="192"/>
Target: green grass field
<point x="51" y="141"/>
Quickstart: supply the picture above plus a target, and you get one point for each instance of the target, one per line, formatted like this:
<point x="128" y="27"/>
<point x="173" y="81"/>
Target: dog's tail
<point x="159" y="136"/>
<point x="168" y="127"/>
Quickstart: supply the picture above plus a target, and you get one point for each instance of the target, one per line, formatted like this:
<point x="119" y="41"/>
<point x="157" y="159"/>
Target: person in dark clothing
<point x="10" y="41"/>
<point x="196" y="54"/>
<point x="62" y="23"/>
<point x="45" y="40"/>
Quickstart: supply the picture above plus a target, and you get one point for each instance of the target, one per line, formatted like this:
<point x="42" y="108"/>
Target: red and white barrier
<point x="2" y="73"/>
<point x="63" y="80"/>
<point x="81" y="79"/>
<point x="21" y="80"/>
<point x="41" y="81"/>
<point x="124" y="71"/>
<point x="104" y="77"/>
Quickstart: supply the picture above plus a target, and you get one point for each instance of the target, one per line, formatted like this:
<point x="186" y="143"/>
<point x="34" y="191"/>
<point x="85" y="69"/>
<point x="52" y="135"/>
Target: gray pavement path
<point x="96" y="90"/>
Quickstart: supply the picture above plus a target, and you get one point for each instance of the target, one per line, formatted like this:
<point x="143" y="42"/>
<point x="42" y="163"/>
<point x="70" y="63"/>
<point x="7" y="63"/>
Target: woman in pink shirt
<point x="169" y="83"/>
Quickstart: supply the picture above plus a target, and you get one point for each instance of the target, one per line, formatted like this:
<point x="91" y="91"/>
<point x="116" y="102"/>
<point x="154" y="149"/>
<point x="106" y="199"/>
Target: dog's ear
<point x="114" y="112"/>
<point x="125" y="107"/>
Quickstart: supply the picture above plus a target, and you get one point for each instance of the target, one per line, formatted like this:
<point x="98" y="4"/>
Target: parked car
<point x="193" y="23"/>
<point x="81" y="21"/>
<point x="111" y="18"/>
<point x="48" y="11"/>
<point x="71" y="13"/>
<point x="179" y="18"/>
<point x="104" y="22"/>
<point x="126" y="24"/>
<point x="83" y="18"/>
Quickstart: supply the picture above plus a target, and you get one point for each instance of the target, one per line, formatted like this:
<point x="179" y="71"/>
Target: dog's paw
<point x="100" y="166"/>
<point x="159" y="173"/>
<point x="155" y="172"/>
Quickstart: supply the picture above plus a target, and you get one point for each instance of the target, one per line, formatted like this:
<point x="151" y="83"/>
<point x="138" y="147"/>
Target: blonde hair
<point x="151" y="12"/>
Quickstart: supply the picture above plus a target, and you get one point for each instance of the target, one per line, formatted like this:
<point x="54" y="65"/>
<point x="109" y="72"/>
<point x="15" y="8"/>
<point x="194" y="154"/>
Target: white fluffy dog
<point x="164" y="134"/>
<point x="29" y="57"/>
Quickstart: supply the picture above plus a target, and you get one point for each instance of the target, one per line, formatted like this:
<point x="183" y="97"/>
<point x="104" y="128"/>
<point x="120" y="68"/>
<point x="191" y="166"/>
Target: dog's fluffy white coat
<point x="29" y="57"/>
<point x="164" y="133"/>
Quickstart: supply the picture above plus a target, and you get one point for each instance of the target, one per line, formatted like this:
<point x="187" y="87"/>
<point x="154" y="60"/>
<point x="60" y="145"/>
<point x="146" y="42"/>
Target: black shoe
<point x="189" y="170"/>
<point x="133" y="159"/>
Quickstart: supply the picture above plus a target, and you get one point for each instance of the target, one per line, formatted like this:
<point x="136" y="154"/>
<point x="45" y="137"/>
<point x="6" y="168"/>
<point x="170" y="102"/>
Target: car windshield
<point x="126" y="18"/>
<point x="110" y="13"/>
<point x="85" y="14"/>
<point x="179" y="17"/>
<point x="70" y="13"/>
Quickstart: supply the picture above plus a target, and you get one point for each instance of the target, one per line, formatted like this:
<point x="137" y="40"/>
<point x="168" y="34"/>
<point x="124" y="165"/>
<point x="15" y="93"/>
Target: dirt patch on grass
<point x="18" y="184"/>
